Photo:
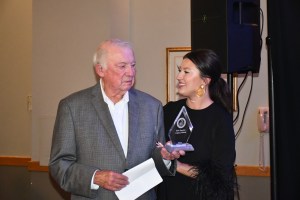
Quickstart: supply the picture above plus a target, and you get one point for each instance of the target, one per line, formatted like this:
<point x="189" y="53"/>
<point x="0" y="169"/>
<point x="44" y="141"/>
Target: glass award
<point x="180" y="132"/>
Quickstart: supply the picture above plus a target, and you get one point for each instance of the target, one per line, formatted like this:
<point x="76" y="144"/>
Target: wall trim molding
<point x="35" y="166"/>
<point x="14" y="161"/>
<point x="242" y="170"/>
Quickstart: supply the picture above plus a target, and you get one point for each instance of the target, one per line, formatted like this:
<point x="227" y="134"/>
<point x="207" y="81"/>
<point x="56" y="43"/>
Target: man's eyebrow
<point x="131" y="63"/>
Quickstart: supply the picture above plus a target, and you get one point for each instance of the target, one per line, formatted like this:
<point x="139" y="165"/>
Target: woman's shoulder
<point x="218" y="110"/>
<point x="174" y="105"/>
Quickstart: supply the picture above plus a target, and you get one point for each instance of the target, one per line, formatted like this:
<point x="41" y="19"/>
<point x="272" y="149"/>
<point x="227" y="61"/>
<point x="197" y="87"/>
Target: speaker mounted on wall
<point x="230" y="28"/>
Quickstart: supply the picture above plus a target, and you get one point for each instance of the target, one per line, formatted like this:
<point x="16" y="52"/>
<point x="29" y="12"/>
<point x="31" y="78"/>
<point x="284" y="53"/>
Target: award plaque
<point x="180" y="132"/>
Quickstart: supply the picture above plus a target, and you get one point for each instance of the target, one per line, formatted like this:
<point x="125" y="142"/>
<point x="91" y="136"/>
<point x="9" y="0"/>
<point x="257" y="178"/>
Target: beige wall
<point x="46" y="50"/>
<point x="15" y="81"/>
<point x="65" y="35"/>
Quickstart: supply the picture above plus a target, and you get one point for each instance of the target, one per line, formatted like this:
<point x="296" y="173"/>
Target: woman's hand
<point x="186" y="169"/>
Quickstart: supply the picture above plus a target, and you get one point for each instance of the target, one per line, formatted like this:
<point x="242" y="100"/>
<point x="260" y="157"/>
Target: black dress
<point x="214" y="155"/>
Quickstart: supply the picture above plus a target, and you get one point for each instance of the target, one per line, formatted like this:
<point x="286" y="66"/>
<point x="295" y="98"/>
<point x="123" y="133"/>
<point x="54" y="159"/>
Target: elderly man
<point x="104" y="130"/>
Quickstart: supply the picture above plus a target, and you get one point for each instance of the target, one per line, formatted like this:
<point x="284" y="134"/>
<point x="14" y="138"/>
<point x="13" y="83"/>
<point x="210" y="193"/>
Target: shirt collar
<point x="125" y="98"/>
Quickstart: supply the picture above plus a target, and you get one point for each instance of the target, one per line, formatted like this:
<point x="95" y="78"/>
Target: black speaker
<point x="230" y="28"/>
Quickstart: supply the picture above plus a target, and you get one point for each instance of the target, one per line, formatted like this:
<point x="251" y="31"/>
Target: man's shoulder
<point x="135" y="93"/>
<point x="81" y="94"/>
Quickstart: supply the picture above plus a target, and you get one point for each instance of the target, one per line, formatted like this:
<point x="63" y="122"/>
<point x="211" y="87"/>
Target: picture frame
<point x="174" y="57"/>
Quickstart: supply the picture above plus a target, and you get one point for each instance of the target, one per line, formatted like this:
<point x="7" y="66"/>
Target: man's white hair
<point x="101" y="52"/>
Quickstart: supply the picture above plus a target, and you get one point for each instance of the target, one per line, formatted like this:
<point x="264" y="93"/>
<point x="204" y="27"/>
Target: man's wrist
<point x="167" y="163"/>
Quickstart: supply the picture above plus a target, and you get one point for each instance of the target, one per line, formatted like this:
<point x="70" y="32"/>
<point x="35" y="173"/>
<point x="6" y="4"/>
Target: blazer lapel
<point x="133" y="113"/>
<point x="106" y="119"/>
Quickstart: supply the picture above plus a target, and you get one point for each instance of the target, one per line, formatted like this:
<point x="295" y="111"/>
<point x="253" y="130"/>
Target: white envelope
<point x="141" y="178"/>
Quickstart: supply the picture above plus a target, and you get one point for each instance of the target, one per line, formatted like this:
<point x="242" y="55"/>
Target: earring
<point x="201" y="91"/>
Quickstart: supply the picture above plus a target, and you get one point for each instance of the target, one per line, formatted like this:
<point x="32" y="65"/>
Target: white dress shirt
<point x="119" y="114"/>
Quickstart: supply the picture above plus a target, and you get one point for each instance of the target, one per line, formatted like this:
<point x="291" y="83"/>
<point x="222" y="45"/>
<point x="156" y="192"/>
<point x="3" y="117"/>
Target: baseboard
<point x="35" y="166"/>
<point x="252" y="170"/>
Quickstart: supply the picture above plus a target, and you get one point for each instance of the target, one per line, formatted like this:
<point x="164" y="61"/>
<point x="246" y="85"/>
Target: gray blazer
<point x="85" y="140"/>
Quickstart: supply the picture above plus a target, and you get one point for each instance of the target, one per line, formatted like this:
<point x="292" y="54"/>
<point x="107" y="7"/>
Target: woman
<point x="208" y="171"/>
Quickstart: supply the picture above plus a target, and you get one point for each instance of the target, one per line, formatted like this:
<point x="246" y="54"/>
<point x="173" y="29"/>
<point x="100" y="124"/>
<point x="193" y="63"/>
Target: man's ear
<point x="99" y="70"/>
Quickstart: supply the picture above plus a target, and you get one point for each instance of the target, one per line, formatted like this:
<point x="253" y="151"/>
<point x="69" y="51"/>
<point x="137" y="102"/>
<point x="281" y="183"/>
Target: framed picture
<point x="174" y="57"/>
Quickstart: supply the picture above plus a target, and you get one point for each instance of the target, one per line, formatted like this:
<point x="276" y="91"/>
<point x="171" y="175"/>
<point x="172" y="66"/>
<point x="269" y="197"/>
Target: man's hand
<point x="110" y="180"/>
<point x="171" y="156"/>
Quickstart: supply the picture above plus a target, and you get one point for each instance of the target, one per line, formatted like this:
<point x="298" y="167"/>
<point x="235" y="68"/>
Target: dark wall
<point x="15" y="183"/>
<point x="18" y="183"/>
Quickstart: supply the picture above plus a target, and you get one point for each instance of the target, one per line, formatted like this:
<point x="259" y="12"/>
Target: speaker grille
<point x="231" y="29"/>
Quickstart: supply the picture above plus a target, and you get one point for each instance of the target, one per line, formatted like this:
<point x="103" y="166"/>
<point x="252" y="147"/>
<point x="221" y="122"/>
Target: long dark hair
<point x="209" y="65"/>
